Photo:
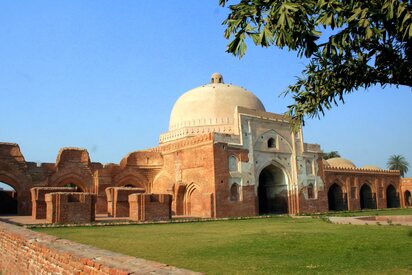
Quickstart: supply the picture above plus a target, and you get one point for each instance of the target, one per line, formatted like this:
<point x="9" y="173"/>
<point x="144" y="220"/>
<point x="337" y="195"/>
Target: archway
<point x="408" y="198"/>
<point x="392" y="200"/>
<point x="8" y="199"/>
<point x="336" y="198"/>
<point x="367" y="199"/>
<point x="193" y="201"/>
<point x="272" y="191"/>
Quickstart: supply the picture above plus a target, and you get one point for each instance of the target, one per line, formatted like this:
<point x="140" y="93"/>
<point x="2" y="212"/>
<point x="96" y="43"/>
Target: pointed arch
<point x="163" y="183"/>
<point x="233" y="163"/>
<point x="72" y="179"/>
<point x="392" y="197"/>
<point x="367" y="197"/>
<point x="272" y="191"/>
<point x="234" y="192"/>
<point x="193" y="201"/>
<point x="131" y="178"/>
<point x="337" y="200"/>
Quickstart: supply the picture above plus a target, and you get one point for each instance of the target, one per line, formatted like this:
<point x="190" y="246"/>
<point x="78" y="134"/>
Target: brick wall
<point x="118" y="200"/>
<point x="27" y="252"/>
<point x="38" y="202"/>
<point x="70" y="207"/>
<point x="150" y="207"/>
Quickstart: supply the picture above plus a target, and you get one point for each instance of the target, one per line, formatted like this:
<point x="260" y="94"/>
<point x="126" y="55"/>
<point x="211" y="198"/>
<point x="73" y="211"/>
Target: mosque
<point x="224" y="155"/>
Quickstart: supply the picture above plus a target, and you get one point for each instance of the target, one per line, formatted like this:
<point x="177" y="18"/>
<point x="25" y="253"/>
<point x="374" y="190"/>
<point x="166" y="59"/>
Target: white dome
<point x="212" y="104"/>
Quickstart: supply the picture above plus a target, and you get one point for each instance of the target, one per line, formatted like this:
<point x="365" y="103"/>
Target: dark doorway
<point x="272" y="191"/>
<point x="392" y="198"/>
<point x="336" y="199"/>
<point x="408" y="198"/>
<point x="8" y="200"/>
<point x="367" y="199"/>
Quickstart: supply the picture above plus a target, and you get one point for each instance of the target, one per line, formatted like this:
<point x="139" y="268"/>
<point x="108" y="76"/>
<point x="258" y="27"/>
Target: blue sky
<point x="104" y="75"/>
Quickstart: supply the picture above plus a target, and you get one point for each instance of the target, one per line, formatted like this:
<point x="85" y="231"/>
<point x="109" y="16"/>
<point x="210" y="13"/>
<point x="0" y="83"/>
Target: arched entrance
<point x="272" y="191"/>
<point x="408" y="198"/>
<point x="367" y="199"/>
<point x="8" y="199"/>
<point x="336" y="199"/>
<point x="392" y="200"/>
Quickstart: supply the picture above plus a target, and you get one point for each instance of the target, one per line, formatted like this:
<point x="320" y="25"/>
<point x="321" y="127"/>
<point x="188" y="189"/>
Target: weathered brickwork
<point x="195" y="172"/>
<point x="118" y="200"/>
<point x="38" y="195"/>
<point x="70" y="207"/>
<point x="150" y="207"/>
<point x="26" y="252"/>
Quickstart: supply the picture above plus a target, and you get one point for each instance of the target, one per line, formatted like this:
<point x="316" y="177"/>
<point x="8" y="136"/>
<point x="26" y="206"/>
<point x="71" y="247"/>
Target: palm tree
<point x="398" y="162"/>
<point x="332" y="154"/>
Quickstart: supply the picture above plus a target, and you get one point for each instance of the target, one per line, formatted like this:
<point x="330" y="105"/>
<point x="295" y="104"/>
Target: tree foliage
<point x="331" y="154"/>
<point x="398" y="162"/>
<point x="350" y="44"/>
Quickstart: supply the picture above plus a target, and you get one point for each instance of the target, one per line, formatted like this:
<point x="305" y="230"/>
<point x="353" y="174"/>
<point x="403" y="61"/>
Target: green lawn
<point x="370" y="212"/>
<point x="258" y="246"/>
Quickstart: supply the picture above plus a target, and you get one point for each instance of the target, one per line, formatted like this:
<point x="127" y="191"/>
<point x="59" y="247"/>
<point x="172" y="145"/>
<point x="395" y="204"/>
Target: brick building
<point x="224" y="155"/>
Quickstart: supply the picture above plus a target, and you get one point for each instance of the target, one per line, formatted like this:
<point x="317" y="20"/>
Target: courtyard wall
<point x="28" y="252"/>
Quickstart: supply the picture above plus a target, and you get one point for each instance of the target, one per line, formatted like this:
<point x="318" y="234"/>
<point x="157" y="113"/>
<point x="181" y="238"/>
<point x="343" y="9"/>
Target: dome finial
<point x="216" y="78"/>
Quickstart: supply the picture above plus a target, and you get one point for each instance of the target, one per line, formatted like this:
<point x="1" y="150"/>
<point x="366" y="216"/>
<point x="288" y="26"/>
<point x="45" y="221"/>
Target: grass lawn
<point x="369" y="212"/>
<point x="258" y="246"/>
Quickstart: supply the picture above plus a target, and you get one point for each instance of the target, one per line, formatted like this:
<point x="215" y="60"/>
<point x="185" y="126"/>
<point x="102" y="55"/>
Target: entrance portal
<point x="392" y="200"/>
<point x="367" y="199"/>
<point x="336" y="199"/>
<point x="272" y="191"/>
<point x="8" y="199"/>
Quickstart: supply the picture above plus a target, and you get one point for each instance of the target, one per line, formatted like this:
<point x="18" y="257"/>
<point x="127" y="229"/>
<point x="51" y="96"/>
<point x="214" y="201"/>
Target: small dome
<point x="371" y="167"/>
<point x="212" y="104"/>
<point x="341" y="162"/>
